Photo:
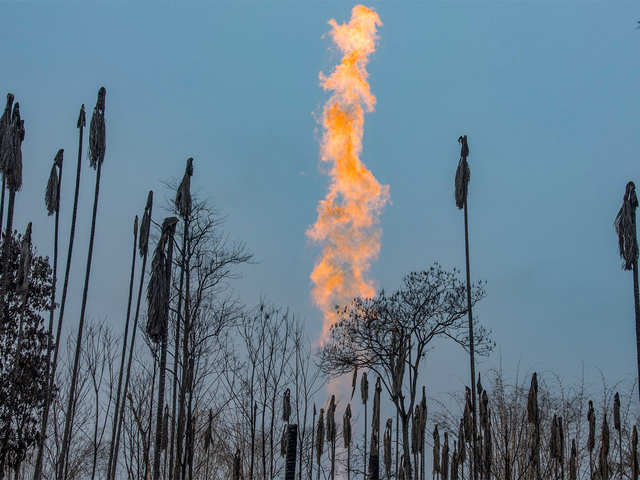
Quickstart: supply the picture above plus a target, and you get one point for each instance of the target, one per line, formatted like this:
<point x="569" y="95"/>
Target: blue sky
<point x="546" y="91"/>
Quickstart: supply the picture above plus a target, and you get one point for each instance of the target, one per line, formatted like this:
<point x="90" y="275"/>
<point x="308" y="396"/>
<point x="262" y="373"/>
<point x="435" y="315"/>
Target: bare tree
<point x="390" y="335"/>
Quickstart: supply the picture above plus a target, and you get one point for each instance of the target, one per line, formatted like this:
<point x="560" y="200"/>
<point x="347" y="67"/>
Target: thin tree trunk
<point x="180" y="459"/>
<point x="620" y="449"/>
<point x="4" y="182"/>
<point x="397" y="441"/>
<point x="129" y="362"/>
<point x="153" y="386"/>
<point x="364" y="468"/>
<point x="405" y="447"/>
<point x="636" y="303"/>
<point x="176" y="364"/>
<point x="45" y="415"/>
<point x="471" y="345"/>
<point x="349" y="461"/>
<point x="6" y="249"/>
<point x="45" y="410"/>
<point x="124" y="352"/>
<point x="76" y="362"/>
<point x="163" y="366"/>
<point x="313" y="432"/>
<point x="254" y="412"/>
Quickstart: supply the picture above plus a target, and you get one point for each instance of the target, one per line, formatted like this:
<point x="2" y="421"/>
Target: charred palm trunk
<point x="5" y="125"/>
<point x="625" y="225"/>
<point x="150" y="423"/>
<point x="176" y="368"/>
<point x="461" y="190"/>
<point x="52" y="199"/>
<point x="183" y="206"/>
<point x="313" y="431"/>
<point x="143" y="247"/>
<point x="97" y="145"/>
<point x="124" y="349"/>
<point x="38" y="470"/>
<point x="11" y="160"/>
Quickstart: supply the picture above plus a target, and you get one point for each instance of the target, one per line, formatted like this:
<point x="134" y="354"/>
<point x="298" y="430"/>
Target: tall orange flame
<point x="347" y="223"/>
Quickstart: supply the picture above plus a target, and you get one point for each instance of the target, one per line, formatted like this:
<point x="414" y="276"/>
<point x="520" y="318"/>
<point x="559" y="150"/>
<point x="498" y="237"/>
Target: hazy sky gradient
<point x="546" y="91"/>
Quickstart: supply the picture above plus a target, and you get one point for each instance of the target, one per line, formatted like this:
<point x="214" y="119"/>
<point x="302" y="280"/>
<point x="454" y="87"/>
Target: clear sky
<point x="546" y="91"/>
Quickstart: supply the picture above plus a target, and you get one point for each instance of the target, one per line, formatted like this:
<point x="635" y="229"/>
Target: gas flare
<point x="348" y="216"/>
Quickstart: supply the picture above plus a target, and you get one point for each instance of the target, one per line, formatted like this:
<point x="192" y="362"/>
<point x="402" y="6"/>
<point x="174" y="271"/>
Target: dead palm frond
<point x="97" y="132"/>
<point x="11" y="155"/>
<point x="387" y="447"/>
<point x="354" y="381"/>
<point x="5" y="122"/>
<point x="183" y="195"/>
<point x="159" y="325"/>
<point x="463" y="173"/>
<point x="52" y="194"/>
<point x="625" y="226"/>
<point x="591" y="440"/>
<point x="145" y="225"/>
<point x="331" y="434"/>
<point x="320" y="439"/>
<point x="346" y="435"/>
<point x="286" y="405"/>
<point x="11" y="159"/>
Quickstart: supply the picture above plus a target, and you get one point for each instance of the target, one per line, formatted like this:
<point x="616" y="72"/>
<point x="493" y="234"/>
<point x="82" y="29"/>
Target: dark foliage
<point x="23" y="356"/>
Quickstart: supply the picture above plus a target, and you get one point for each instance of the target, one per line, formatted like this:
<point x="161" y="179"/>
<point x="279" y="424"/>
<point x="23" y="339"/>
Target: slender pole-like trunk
<point x="129" y="362"/>
<point x="474" y="454"/>
<point x="620" y="450"/>
<point x="45" y="410"/>
<point x="4" y="182"/>
<point x="364" y="468"/>
<point x="9" y="229"/>
<point x="76" y="361"/>
<point x="349" y="461"/>
<point x="54" y="365"/>
<point x="8" y="239"/>
<point x="397" y="441"/>
<point x="163" y="366"/>
<point x="149" y="429"/>
<point x="313" y="432"/>
<point x="180" y="458"/>
<point x="176" y="365"/>
<point x="636" y="303"/>
<point x="254" y="414"/>
<point x="124" y="351"/>
<point x="333" y="458"/>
